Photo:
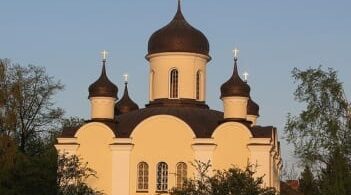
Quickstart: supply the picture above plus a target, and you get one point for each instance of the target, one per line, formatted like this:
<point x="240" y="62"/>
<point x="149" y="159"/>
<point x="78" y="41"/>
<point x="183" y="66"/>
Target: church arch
<point x="166" y="117"/>
<point x="151" y="85"/>
<point x="162" y="176"/>
<point x="231" y="139"/>
<point x="174" y="84"/>
<point x="143" y="176"/>
<point x="181" y="174"/>
<point x="198" y="86"/>
<point x="167" y="135"/>
<point x="96" y="124"/>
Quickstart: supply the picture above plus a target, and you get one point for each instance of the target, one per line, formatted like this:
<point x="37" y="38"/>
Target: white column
<point x="120" y="168"/>
<point x="260" y="158"/>
<point x="67" y="146"/>
<point x="203" y="150"/>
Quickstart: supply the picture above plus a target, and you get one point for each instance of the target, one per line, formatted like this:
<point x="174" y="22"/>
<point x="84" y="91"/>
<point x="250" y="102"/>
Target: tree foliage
<point x="72" y="175"/>
<point x="321" y="133"/>
<point x="308" y="183"/>
<point x="26" y="100"/>
<point x="324" y="124"/>
<point x="24" y="174"/>
<point x="29" y="124"/>
<point x="335" y="178"/>
<point x="232" y="181"/>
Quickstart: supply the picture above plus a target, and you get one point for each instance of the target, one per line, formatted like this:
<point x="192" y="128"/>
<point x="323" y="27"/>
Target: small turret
<point x="235" y="94"/>
<point x="103" y="95"/>
<point x="126" y="104"/>
<point x="252" y="111"/>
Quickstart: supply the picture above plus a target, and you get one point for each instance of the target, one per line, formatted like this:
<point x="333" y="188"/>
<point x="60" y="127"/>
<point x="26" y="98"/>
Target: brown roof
<point x="285" y="188"/>
<point x="262" y="132"/>
<point x="125" y="104"/>
<point x="178" y="36"/>
<point x="202" y="121"/>
<point x="103" y="87"/>
<point x="69" y="132"/>
<point x="235" y="86"/>
<point x="252" y="108"/>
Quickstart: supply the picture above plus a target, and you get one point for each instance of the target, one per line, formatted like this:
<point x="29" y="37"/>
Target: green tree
<point x="29" y="124"/>
<point x="27" y="106"/>
<point x="308" y="183"/>
<point x="321" y="133"/>
<point x="231" y="181"/>
<point x="72" y="175"/>
<point x="335" y="178"/>
<point x="324" y="123"/>
<point x="24" y="174"/>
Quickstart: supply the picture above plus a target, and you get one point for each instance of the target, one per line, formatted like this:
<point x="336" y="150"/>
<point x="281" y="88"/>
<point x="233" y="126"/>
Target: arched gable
<point x="92" y="125"/>
<point x="201" y="120"/>
<point x="235" y="125"/>
<point x="94" y="140"/>
<point x="161" y="138"/>
<point x="231" y="139"/>
<point x="157" y="117"/>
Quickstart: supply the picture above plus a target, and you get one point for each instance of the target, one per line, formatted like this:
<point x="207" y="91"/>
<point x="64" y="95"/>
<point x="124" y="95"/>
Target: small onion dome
<point x="178" y="36"/>
<point x="103" y="87"/>
<point x="125" y="104"/>
<point x="252" y="108"/>
<point x="235" y="86"/>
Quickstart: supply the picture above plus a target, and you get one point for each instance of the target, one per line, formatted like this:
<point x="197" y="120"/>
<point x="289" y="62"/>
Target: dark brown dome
<point x="103" y="87"/>
<point x="252" y="108"/>
<point x="125" y="104"/>
<point x="178" y="36"/>
<point x="235" y="86"/>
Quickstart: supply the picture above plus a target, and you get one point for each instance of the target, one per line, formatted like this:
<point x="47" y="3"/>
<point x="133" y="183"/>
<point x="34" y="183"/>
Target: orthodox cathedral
<point x="150" y="150"/>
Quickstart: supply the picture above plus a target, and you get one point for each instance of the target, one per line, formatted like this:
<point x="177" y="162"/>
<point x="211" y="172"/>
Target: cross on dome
<point x="246" y="75"/>
<point x="104" y="54"/>
<point x="236" y="53"/>
<point x="125" y="75"/>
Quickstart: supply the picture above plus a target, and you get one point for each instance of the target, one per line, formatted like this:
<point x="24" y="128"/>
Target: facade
<point x="149" y="150"/>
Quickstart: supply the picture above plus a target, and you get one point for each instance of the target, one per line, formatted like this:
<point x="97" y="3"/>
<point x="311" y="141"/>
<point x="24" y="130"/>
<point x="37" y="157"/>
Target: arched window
<point x="143" y="176"/>
<point x="173" y="84"/>
<point x="198" y="77"/>
<point x="152" y="75"/>
<point x="182" y="171"/>
<point x="162" y="176"/>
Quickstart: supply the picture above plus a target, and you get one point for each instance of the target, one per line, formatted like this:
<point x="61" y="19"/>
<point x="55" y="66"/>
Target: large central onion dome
<point x="178" y="36"/>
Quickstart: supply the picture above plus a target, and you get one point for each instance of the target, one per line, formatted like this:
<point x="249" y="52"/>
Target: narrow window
<point x="143" y="176"/>
<point x="198" y="77"/>
<point x="174" y="84"/>
<point x="152" y="75"/>
<point x="182" y="170"/>
<point x="162" y="177"/>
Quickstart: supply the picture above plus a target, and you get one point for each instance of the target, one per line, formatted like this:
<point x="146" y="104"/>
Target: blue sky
<point x="273" y="36"/>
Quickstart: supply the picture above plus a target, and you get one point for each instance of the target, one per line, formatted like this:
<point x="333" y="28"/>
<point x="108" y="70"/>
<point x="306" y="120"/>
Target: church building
<point x="137" y="151"/>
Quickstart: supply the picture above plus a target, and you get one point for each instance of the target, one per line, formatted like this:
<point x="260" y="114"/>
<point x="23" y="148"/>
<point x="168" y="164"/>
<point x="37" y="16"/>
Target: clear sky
<point x="274" y="36"/>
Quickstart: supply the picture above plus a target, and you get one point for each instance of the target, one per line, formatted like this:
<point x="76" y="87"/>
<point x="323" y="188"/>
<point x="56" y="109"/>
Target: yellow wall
<point x="161" y="138"/>
<point x="231" y="139"/>
<point x="102" y="107"/>
<point x="187" y="65"/>
<point x="165" y="138"/>
<point x="94" y="140"/>
<point x="235" y="107"/>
